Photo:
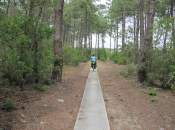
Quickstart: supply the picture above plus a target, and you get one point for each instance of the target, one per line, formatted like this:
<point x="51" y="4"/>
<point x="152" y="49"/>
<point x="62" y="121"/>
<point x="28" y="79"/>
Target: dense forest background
<point x="143" y="32"/>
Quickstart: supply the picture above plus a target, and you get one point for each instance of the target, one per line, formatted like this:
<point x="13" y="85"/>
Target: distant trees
<point x="28" y="51"/>
<point x="30" y="54"/>
<point x="153" y="41"/>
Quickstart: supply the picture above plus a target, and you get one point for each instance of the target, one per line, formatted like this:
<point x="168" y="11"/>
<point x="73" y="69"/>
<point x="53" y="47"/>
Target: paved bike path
<point x="92" y="113"/>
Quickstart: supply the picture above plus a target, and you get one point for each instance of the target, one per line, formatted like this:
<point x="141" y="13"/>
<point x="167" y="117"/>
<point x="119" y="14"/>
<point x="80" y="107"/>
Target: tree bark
<point x="173" y="26"/>
<point x="58" y="64"/>
<point x="136" y="39"/>
<point x="117" y="37"/>
<point x="146" y="54"/>
<point x="8" y="6"/>
<point x="102" y="40"/>
<point x="141" y="24"/>
<point x="85" y="33"/>
<point x="123" y="27"/>
<point x="98" y="40"/>
<point x="164" y="41"/>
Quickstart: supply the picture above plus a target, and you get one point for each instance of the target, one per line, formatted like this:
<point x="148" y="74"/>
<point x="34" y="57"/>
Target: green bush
<point x="153" y="99"/>
<point x="6" y="91"/>
<point x="119" y="58"/>
<point x="161" y="70"/>
<point x="131" y="68"/>
<point x="172" y="87"/>
<point x="40" y="87"/>
<point x="124" y="56"/>
<point x="26" y="56"/>
<point x="8" y="106"/>
<point x="152" y="92"/>
<point x="48" y="81"/>
<point x="124" y="73"/>
<point x="102" y="54"/>
<point x="112" y="56"/>
<point x="73" y="55"/>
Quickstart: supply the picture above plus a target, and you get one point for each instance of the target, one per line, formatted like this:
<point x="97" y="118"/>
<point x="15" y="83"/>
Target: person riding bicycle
<point x="94" y="59"/>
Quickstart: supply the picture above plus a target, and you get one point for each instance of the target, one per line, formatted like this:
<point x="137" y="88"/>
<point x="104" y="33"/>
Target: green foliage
<point x="161" y="70"/>
<point x="8" y="106"/>
<point x="102" y="54"/>
<point x="40" y="87"/>
<point x="131" y="68"/>
<point x="124" y="73"/>
<point x="26" y="53"/>
<point x="153" y="92"/>
<point x="123" y="56"/>
<point x="76" y="61"/>
<point x="153" y="99"/>
<point x="6" y="91"/>
<point x="73" y="55"/>
<point x="173" y="87"/>
<point x="119" y="58"/>
<point x="58" y="61"/>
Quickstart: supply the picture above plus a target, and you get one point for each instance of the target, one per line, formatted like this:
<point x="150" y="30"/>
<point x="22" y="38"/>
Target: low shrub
<point x="124" y="73"/>
<point x="8" y="106"/>
<point x="153" y="92"/>
<point x="153" y="99"/>
<point x="40" y="87"/>
<point x="102" y="54"/>
<point x="131" y="69"/>
<point x="74" y="56"/>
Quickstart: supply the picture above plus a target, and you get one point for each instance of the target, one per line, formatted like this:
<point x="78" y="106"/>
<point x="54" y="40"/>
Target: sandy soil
<point x="128" y="104"/>
<point x="129" y="107"/>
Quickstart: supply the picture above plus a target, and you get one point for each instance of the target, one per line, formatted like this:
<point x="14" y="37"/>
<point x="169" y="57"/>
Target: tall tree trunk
<point x="123" y="26"/>
<point x="89" y="37"/>
<point x="173" y="26"/>
<point x="91" y="41"/>
<point x="136" y="39"/>
<point x="74" y="33"/>
<point x="96" y="43"/>
<point x="31" y="11"/>
<point x="141" y="24"/>
<point x="164" y="41"/>
<point x="134" y="24"/>
<point x="8" y="6"/>
<point x="145" y="54"/>
<point x="85" y="33"/>
<point x="117" y="38"/>
<point x="103" y="41"/>
<point x="110" y="44"/>
<point x="81" y="30"/>
<point x="64" y="34"/>
<point x="58" y="64"/>
<point x="110" y="36"/>
<point x="98" y="40"/>
<point x="145" y="18"/>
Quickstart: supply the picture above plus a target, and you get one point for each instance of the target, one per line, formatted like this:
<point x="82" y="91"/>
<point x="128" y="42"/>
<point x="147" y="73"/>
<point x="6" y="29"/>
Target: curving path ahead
<point x="92" y="113"/>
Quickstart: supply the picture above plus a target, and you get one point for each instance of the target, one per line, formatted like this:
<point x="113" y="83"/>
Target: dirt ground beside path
<point x="128" y="105"/>
<point x="54" y="109"/>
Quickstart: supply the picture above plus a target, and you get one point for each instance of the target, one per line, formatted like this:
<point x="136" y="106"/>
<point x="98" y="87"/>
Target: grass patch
<point x="153" y="92"/>
<point x="40" y="87"/>
<point x="8" y="106"/>
<point x="124" y="73"/>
